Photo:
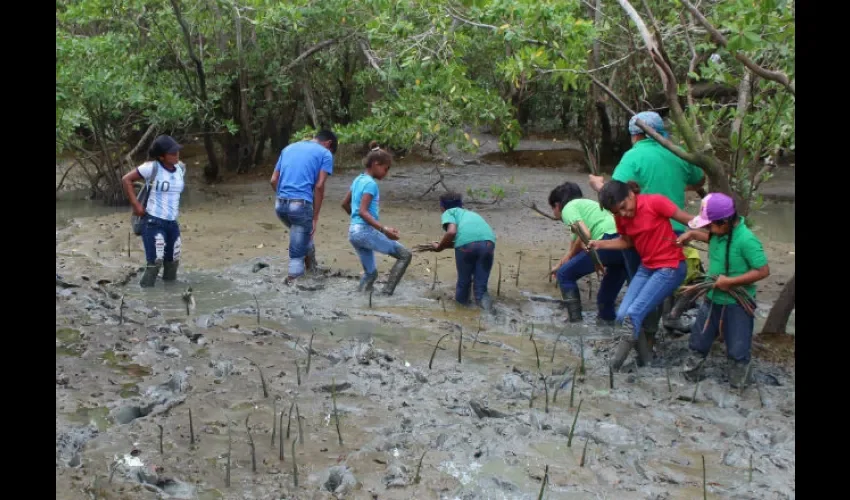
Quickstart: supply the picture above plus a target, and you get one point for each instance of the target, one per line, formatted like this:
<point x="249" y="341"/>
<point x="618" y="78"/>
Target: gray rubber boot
<point x="627" y="343"/>
<point x="149" y="277"/>
<point x="739" y="374"/>
<point x="169" y="270"/>
<point x="644" y="350"/>
<point x="310" y="263"/>
<point x="486" y="303"/>
<point x="572" y="299"/>
<point x="404" y="257"/>
<point x="367" y="282"/>
<point x="693" y="366"/>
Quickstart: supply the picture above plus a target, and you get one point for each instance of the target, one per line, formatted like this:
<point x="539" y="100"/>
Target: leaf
<point x="504" y="27"/>
<point x="475" y="141"/>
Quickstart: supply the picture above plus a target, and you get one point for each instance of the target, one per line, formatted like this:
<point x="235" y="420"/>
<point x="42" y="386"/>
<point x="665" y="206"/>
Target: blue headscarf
<point x="652" y="119"/>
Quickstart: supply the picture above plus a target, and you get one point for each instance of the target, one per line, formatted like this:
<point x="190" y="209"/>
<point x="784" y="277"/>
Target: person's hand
<point x="392" y="233"/>
<point x="723" y="283"/>
<point x="684" y="238"/>
<point x="435" y="246"/>
<point x="554" y="270"/>
<point x="593" y="245"/>
<point x="138" y="209"/>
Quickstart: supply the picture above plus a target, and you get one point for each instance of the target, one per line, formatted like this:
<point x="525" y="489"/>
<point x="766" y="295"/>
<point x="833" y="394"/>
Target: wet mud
<point x="131" y="364"/>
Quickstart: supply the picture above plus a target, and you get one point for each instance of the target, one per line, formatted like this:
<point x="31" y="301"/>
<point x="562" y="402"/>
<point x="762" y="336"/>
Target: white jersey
<point x="164" y="201"/>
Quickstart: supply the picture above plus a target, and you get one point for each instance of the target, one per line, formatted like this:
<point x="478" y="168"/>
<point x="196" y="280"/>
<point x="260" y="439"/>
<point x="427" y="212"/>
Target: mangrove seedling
<point x="581" y="352"/>
<point x="274" y="421"/>
<point x="611" y="377"/>
<point x="704" y="486"/>
<point x="160" y="438"/>
<point x="289" y="420"/>
<point x="584" y="453"/>
<point x="300" y="426"/>
<point x="518" y="263"/>
<point x="310" y="352"/>
<point x="434" y="352"/>
<point x="191" y="429"/>
<point x="543" y="483"/>
<point x="251" y="444"/>
<point x="417" y="478"/>
<point x="499" y="282"/>
<point x="536" y="352"/>
<point x="262" y="378"/>
<point x="257" y="302"/>
<point x="573" y="388"/>
<point x="298" y="372"/>
<point x="552" y="360"/>
<point x="294" y="466"/>
<point x="669" y="385"/>
<point x="121" y="311"/>
<point x="460" y="346"/>
<point x="546" y="390"/>
<point x="280" y="437"/>
<point x="229" y="450"/>
<point x="531" y="399"/>
<point x="573" y="428"/>
<point x="434" y="282"/>
<point x="336" y="413"/>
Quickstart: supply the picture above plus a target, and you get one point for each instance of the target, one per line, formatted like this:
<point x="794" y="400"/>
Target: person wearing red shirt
<point x="643" y="222"/>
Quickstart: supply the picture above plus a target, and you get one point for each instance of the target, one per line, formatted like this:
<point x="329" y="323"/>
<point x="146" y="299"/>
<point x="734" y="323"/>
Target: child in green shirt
<point x="474" y="242"/>
<point x="736" y="259"/>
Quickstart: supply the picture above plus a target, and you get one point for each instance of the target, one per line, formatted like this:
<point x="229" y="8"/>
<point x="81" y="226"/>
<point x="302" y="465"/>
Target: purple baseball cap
<point x="715" y="206"/>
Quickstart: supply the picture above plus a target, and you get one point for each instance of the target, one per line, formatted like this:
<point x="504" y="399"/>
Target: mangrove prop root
<point x="434" y="352"/>
<point x="499" y="282"/>
<point x="262" y="378"/>
<point x="310" y="352"/>
<point x="573" y="428"/>
<point x="191" y="429"/>
<point x="294" y="467"/>
<point x="536" y="353"/>
<point x="289" y="420"/>
<point x="281" y="454"/>
<point x="300" y="425"/>
<point x="573" y="388"/>
<point x="251" y="444"/>
<point x="336" y="413"/>
<point x="229" y="449"/>
<point x="584" y="453"/>
<point x="543" y="483"/>
<point x="417" y="478"/>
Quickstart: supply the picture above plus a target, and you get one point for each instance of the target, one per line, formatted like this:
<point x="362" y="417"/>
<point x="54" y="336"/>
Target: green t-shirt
<point x="597" y="220"/>
<point x="658" y="171"/>
<point x="471" y="227"/>
<point x="745" y="254"/>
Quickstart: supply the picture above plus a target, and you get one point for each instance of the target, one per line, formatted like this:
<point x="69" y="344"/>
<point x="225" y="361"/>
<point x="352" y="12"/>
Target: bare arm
<point x="275" y="177"/>
<point x="621" y="243"/>
<point x="596" y="182"/>
<point x="363" y="212"/>
<point x="318" y="197"/>
<point x="128" y="180"/>
<point x="693" y="235"/>
<point x="750" y="277"/>
<point x="448" y="240"/>
<point x="346" y="203"/>
<point x="682" y="216"/>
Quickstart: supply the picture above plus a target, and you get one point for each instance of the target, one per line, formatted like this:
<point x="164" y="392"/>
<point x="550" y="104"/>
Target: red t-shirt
<point x="651" y="231"/>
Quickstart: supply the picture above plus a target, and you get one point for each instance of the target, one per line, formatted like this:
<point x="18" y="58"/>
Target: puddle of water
<point x="211" y="293"/>
<point x="98" y="416"/>
<point x="776" y="222"/>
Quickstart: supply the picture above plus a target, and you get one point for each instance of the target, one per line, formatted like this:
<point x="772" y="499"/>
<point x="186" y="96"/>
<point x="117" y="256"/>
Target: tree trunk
<point x="245" y="132"/>
<point x="777" y="319"/>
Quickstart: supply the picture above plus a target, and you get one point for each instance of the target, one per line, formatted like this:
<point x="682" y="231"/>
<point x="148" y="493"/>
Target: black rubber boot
<point x="572" y="300"/>
<point x="404" y="257"/>
<point x="627" y="343"/>
<point x="169" y="270"/>
<point x="149" y="277"/>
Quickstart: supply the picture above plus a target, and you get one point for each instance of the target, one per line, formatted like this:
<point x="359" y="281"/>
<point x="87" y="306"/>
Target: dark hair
<point x="451" y="200"/>
<point x="377" y="155"/>
<point x="614" y="192"/>
<point x="731" y="221"/>
<point x="327" y="135"/>
<point x="564" y="194"/>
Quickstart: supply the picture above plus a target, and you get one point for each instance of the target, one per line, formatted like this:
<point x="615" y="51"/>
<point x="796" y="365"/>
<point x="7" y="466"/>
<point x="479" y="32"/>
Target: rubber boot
<point x="367" y="282"/>
<point x="644" y="349"/>
<point x="649" y="329"/>
<point x="404" y="257"/>
<point x="310" y="264"/>
<point x="149" y="277"/>
<point x="572" y="299"/>
<point x="486" y="303"/>
<point x="739" y="374"/>
<point x="692" y="367"/>
<point x="169" y="270"/>
<point x="627" y="343"/>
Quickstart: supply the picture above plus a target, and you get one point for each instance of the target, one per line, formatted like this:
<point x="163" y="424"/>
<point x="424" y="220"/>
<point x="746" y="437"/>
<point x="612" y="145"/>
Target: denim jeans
<point x="161" y="239"/>
<point x="632" y="264"/>
<point x="647" y="291"/>
<point x="737" y="330"/>
<point x="474" y="262"/>
<point x="297" y="215"/>
<point x="615" y="276"/>
<point x="367" y="240"/>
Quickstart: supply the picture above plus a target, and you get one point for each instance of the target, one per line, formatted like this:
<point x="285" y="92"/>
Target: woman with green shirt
<point x="736" y="259"/>
<point x="567" y="204"/>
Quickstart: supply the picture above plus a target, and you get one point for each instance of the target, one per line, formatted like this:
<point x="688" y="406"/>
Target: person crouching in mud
<point x="365" y="233"/>
<point x="643" y="222"/>
<point x="474" y="242"/>
<point x="161" y="233"/>
<point x="569" y="206"/>
<point x="736" y="259"/>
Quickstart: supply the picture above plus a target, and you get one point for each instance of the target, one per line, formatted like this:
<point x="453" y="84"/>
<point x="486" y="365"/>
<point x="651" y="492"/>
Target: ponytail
<point x="377" y="155"/>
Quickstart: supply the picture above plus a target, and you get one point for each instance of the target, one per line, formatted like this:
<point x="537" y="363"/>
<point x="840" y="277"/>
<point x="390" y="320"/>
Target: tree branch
<point x="364" y="47"/>
<point x="129" y="156"/>
<point x="309" y="52"/>
<point x="720" y="40"/>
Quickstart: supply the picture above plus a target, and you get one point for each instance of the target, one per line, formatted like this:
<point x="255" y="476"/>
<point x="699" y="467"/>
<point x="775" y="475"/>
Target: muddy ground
<point x="122" y="371"/>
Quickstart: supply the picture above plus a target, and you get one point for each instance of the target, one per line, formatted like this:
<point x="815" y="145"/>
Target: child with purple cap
<point x="737" y="260"/>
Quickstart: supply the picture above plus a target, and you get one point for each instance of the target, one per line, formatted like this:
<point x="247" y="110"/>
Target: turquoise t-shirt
<point x="600" y="222"/>
<point x="364" y="184"/>
<point x="658" y="171"/>
<point x="471" y="227"/>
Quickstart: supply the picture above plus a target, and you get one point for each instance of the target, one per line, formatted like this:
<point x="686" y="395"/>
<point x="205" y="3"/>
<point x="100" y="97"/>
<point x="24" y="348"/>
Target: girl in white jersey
<point x="161" y="233"/>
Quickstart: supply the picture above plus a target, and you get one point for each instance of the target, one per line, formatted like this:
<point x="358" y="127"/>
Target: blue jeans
<point x="297" y="215"/>
<point x="474" y="262"/>
<point x="161" y="239"/>
<point x="737" y="330"/>
<point x="647" y="291"/>
<point x="367" y="240"/>
<point x="615" y="276"/>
